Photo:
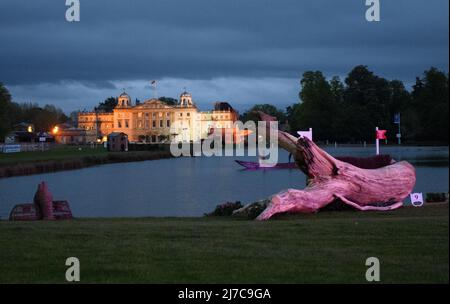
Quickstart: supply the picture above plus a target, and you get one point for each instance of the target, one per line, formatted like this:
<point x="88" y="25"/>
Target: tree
<point x="430" y="103"/>
<point x="317" y="106"/>
<point x="337" y="89"/>
<point x="252" y="114"/>
<point x="5" y="111"/>
<point x="108" y="105"/>
<point x="366" y="97"/>
<point x="169" y="100"/>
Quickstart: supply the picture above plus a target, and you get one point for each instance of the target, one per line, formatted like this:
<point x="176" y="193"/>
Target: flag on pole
<point x="307" y="134"/>
<point x="153" y="87"/>
<point x="397" y="118"/>
<point x="381" y="134"/>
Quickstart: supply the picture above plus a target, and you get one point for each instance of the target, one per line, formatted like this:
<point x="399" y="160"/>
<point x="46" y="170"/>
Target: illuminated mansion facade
<point x="154" y="121"/>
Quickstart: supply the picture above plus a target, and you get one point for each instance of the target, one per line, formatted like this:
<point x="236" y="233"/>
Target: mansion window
<point x="139" y="124"/>
<point x="119" y="124"/>
<point x="154" y="115"/>
<point x="188" y="114"/>
<point x="126" y="123"/>
<point x="181" y="114"/>
<point x="147" y="124"/>
<point x="154" y="124"/>
<point x="160" y="123"/>
<point x="168" y="123"/>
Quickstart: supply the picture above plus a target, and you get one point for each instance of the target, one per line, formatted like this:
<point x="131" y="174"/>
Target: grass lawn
<point x="60" y="152"/>
<point x="411" y="243"/>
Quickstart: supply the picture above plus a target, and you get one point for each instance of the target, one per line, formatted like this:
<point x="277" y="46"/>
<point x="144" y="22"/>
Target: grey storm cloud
<point x="227" y="40"/>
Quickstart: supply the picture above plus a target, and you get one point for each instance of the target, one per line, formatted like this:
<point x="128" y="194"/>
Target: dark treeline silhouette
<point x="349" y="111"/>
<point x="345" y="111"/>
<point x="12" y="113"/>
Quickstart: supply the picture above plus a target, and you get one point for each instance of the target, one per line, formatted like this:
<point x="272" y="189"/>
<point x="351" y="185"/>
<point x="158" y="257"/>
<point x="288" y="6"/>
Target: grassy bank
<point x="68" y="158"/>
<point x="411" y="243"/>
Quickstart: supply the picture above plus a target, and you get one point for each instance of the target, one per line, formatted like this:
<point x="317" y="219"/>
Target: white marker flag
<point x="307" y="134"/>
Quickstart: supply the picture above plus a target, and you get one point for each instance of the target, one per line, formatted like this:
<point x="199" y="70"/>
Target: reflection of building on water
<point x="154" y="121"/>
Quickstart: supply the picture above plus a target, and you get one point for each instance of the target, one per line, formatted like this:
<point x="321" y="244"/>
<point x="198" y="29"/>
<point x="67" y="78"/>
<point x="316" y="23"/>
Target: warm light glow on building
<point x="55" y="130"/>
<point x="155" y="121"/>
<point x="30" y="129"/>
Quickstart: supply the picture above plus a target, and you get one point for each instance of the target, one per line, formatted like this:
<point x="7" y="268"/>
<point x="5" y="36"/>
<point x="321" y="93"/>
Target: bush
<point x="436" y="197"/>
<point x="225" y="209"/>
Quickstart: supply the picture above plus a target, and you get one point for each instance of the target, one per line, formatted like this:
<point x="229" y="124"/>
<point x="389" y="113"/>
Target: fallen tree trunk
<point x="329" y="179"/>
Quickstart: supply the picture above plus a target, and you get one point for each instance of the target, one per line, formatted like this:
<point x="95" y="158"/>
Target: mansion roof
<point x="156" y="104"/>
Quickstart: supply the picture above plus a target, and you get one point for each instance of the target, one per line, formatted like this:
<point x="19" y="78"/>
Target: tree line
<point x="12" y="113"/>
<point x="344" y="111"/>
<point x="348" y="111"/>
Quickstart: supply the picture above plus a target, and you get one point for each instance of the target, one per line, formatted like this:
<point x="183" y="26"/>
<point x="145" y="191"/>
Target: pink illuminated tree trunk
<point x="330" y="179"/>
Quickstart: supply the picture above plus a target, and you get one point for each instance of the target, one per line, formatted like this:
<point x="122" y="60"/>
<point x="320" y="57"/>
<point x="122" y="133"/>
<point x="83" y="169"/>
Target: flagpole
<point x="399" y="130"/>
<point x="153" y="86"/>
<point x="377" y="142"/>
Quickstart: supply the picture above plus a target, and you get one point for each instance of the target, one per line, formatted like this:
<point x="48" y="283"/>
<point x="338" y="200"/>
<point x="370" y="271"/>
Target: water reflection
<point x="193" y="186"/>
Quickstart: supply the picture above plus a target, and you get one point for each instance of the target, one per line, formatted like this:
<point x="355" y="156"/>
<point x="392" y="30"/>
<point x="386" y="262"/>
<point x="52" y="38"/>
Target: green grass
<point x="411" y="243"/>
<point x="60" y="152"/>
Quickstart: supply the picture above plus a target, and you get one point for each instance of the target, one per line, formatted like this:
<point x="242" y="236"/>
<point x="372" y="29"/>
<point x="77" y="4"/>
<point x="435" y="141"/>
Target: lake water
<point x="193" y="186"/>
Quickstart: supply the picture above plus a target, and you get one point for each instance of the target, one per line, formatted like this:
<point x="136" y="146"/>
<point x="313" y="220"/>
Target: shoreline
<point x="72" y="162"/>
<point x="48" y="166"/>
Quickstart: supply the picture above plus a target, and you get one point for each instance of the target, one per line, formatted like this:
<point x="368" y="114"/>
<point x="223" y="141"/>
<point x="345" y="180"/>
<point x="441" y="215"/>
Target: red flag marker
<point x="381" y="134"/>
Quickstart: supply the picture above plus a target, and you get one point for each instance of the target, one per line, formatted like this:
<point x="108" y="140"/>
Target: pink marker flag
<point x="381" y="134"/>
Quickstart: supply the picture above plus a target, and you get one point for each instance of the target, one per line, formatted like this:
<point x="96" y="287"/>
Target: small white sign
<point x="416" y="199"/>
<point x="42" y="139"/>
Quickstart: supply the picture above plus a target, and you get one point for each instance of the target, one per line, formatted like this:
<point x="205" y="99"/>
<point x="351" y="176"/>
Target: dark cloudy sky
<point x="241" y="51"/>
